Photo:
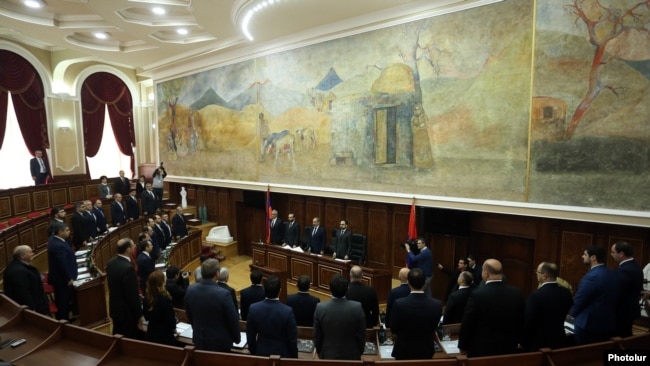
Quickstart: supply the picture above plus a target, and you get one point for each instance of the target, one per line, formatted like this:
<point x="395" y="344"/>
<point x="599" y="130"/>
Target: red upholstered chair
<point x="3" y="226"/>
<point x="15" y="220"/>
<point x="68" y="206"/>
<point x="33" y="215"/>
<point x="49" y="292"/>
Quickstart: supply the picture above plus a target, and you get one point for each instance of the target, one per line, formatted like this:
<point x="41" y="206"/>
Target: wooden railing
<point x="57" y="342"/>
<point x="186" y="250"/>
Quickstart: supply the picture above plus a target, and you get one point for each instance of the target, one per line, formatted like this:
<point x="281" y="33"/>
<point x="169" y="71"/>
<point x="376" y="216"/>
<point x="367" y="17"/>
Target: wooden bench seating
<point x="140" y="353"/>
<point x="586" y="355"/>
<point x="639" y="341"/>
<point x="70" y="345"/>
<point x="9" y="309"/>
<point x="432" y="362"/>
<point x="31" y="326"/>
<point x="518" y="359"/>
<point x="202" y="358"/>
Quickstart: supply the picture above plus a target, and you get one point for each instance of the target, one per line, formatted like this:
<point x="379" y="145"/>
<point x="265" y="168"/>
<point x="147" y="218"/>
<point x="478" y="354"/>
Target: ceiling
<point x="139" y="39"/>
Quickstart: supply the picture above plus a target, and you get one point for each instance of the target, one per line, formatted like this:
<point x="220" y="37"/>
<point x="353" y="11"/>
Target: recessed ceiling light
<point x="34" y="4"/>
<point x="100" y="35"/>
<point x="182" y="31"/>
<point x="158" y="10"/>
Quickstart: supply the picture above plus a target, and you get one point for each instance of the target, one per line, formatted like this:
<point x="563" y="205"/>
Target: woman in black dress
<point x="159" y="311"/>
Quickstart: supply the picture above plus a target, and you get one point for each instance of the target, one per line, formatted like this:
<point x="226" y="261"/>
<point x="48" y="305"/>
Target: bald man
<point x="364" y="294"/>
<point x="494" y="316"/>
<point x="22" y="281"/>
<point x="398" y="292"/>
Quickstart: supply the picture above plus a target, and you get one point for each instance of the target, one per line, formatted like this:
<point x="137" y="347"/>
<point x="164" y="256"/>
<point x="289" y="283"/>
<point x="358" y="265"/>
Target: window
<point x="14" y="154"/>
<point x="109" y="160"/>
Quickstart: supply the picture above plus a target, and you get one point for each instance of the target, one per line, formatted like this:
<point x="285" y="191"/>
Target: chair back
<point x="358" y="248"/>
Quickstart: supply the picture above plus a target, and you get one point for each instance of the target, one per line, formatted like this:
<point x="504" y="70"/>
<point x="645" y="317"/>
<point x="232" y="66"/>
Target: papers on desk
<point x="81" y="261"/>
<point x="83" y="276"/>
<point x="342" y="260"/>
<point x="78" y="282"/>
<point x="385" y="352"/>
<point x="81" y="253"/>
<point x="112" y="228"/>
<point x="160" y="265"/>
<point x="181" y="327"/>
<point x="450" y="347"/>
<point x="187" y="333"/>
<point x="297" y="249"/>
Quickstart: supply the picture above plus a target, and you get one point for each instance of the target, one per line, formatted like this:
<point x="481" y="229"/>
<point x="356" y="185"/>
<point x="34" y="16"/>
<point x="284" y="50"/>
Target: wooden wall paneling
<point x="191" y="195"/>
<point x="313" y="208"/>
<point x="355" y="213"/>
<point x="4" y="257"/>
<point x="297" y="207"/>
<point x="59" y="196"/>
<point x="517" y="255"/>
<point x="5" y="207"/>
<point x="573" y="245"/>
<point x="212" y="199"/>
<point x="400" y="225"/>
<point x="378" y="235"/>
<point x="259" y="255"/>
<point x="443" y="251"/>
<point x="40" y="234"/>
<point x="77" y="193"/>
<point x="200" y="197"/>
<point x="41" y="200"/>
<point x="334" y="212"/>
<point x="278" y="262"/>
<point x="22" y="204"/>
<point x="637" y="246"/>
<point x="325" y="273"/>
<point x="224" y="213"/>
<point x="301" y="267"/>
<point x="92" y="190"/>
<point x="11" y="242"/>
<point x="506" y="225"/>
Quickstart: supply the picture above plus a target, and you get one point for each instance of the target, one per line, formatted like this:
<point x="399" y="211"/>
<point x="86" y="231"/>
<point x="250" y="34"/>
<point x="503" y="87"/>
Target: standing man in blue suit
<point x="317" y="238"/>
<point x="62" y="269"/>
<point x="38" y="168"/>
<point x="271" y="327"/>
<point x="630" y="285"/>
<point x="210" y="310"/>
<point x="423" y="261"/>
<point x="594" y="306"/>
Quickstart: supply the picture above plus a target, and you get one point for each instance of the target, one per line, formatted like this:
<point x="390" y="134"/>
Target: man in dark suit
<point x="493" y="317"/>
<point x="156" y="237"/>
<point x="166" y="228"/>
<point x="423" y="260"/>
<point x="91" y="227"/>
<point x="339" y="325"/>
<point x="209" y="308"/>
<point x="179" y="227"/>
<point x="546" y="310"/>
<point x="415" y="320"/>
<point x="38" y="168"/>
<point x="398" y="292"/>
<point x="123" y="298"/>
<point x="80" y="224"/>
<point x="177" y="283"/>
<point x="475" y="269"/>
<point x="364" y="294"/>
<point x="271" y="327"/>
<point x="292" y="232"/>
<point x="118" y="212"/>
<point x="251" y="294"/>
<point x="132" y="208"/>
<point x="452" y="275"/>
<point x="317" y="238"/>
<point x="148" y="201"/>
<point x="58" y="215"/>
<point x="122" y="185"/>
<point x="146" y="265"/>
<point x="455" y="307"/>
<point x="62" y="269"/>
<point x="224" y="274"/>
<point x="341" y="242"/>
<point x="302" y="303"/>
<point x="22" y="281"/>
<point x="100" y="218"/>
<point x="276" y="228"/>
<point x="594" y="305"/>
<point x="630" y="284"/>
<point x="159" y="233"/>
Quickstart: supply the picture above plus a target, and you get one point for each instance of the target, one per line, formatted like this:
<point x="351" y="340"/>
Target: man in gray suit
<point x="211" y="312"/>
<point x="339" y="325"/>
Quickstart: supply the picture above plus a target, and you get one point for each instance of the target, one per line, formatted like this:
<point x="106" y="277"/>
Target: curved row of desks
<point x="57" y="342"/>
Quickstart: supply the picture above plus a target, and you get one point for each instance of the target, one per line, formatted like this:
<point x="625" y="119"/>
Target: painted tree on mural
<point x="622" y="22"/>
<point x="411" y="55"/>
<point x="171" y="90"/>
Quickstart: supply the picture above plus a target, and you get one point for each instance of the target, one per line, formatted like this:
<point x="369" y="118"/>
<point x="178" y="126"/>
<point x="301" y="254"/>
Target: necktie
<point x="40" y="162"/>
<point x="151" y="193"/>
<point x="272" y="222"/>
<point x="314" y="232"/>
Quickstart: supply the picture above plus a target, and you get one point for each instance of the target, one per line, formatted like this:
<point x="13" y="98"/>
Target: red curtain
<point x="18" y="77"/>
<point x="101" y="90"/>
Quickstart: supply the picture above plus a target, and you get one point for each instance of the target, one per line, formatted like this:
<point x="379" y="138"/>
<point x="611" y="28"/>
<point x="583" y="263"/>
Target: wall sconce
<point x="64" y="125"/>
<point x="64" y="129"/>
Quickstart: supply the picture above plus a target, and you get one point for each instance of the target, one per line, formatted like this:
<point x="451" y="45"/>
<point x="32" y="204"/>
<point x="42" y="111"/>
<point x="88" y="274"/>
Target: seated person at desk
<point x="271" y="327"/>
<point x="414" y="321"/>
<point x="159" y="311"/>
<point x="302" y="303"/>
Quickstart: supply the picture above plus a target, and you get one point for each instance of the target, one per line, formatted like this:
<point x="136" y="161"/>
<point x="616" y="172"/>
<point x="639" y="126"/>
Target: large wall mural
<point x="458" y="105"/>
